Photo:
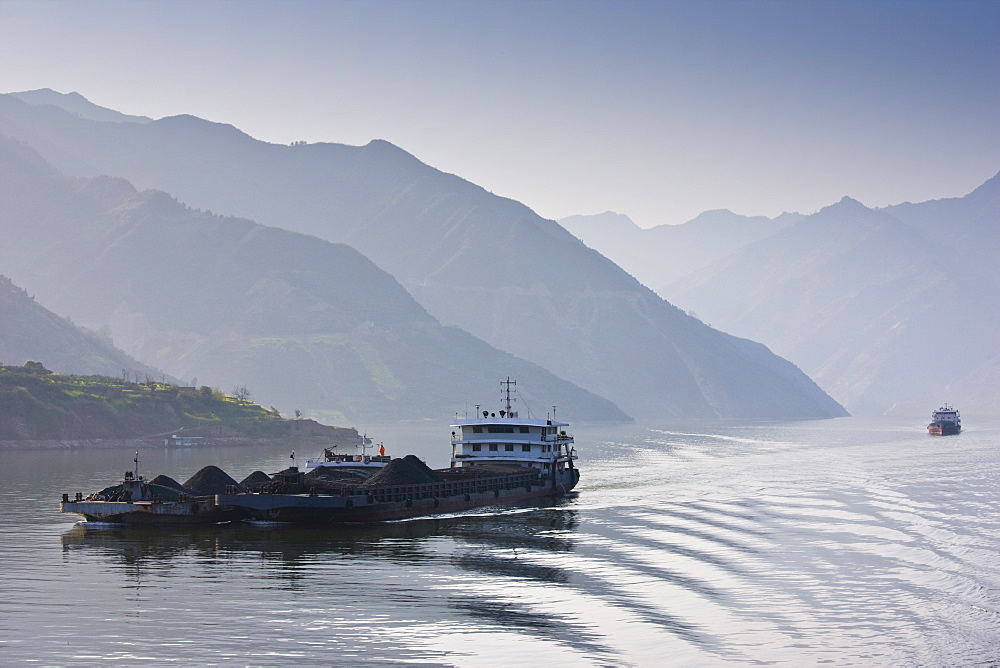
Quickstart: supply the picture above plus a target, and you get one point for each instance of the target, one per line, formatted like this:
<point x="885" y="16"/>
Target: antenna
<point x="506" y="387"/>
<point x="524" y="401"/>
<point x="136" y="460"/>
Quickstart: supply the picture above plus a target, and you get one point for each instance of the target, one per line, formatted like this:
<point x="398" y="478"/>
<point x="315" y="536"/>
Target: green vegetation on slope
<point x="36" y="404"/>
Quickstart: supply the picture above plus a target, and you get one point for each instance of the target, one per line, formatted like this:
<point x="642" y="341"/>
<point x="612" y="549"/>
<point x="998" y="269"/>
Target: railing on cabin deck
<point x="492" y="438"/>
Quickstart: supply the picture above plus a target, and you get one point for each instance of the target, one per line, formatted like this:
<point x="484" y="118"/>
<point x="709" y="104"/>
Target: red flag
<point x="381" y="449"/>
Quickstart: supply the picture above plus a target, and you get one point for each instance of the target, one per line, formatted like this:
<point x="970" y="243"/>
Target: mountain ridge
<point x="309" y="324"/>
<point x="476" y="261"/>
<point x="76" y="104"/>
<point x="870" y="304"/>
<point x="661" y="255"/>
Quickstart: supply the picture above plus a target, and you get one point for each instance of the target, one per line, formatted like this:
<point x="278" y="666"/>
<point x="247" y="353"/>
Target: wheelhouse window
<point x="493" y="447"/>
<point x="476" y="447"/>
<point x="525" y="448"/>
<point x="501" y="430"/>
<point x="524" y="430"/>
<point x="477" y="430"/>
<point x="509" y="447"/>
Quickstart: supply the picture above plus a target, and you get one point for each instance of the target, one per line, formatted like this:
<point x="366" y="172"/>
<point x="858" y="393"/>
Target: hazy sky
<point x="658" y="110"/>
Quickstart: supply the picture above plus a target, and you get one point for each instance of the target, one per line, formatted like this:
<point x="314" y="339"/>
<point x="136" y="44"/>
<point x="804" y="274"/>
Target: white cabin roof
<point x="507" y="422"/>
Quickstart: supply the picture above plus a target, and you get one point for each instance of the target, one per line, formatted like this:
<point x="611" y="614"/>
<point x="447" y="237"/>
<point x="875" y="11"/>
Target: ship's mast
<point x="506" y="387"/>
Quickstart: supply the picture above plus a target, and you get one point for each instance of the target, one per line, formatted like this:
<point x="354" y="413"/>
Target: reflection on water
<point x="479" y="536"/>
<point x="843" y="541"/>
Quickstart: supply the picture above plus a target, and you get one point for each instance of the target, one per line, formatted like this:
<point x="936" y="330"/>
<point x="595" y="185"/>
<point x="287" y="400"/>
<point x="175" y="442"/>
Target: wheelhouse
<point x="946" y="414"/>
<point x="541" y="444"/>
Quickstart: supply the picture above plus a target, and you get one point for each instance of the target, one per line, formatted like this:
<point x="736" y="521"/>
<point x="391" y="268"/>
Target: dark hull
<point x="202" y="510"/>
<point x="389" y="504"/>
<point x="377" y="504"/>
<point x="943" y="430"/>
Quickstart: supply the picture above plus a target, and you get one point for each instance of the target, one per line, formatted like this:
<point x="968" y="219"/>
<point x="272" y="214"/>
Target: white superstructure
<point x="947" y="416"/>
<point x="945" y="421"/>
<point x="503" y="437"/>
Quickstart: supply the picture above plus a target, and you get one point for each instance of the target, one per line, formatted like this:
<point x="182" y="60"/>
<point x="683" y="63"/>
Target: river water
<point x="852" y="541"/>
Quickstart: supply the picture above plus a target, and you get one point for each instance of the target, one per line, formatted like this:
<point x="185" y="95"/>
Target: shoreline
<point x="146" y="443"/>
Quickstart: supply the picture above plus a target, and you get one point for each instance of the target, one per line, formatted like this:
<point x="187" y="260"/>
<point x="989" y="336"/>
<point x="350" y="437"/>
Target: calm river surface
<point x="849" y="541"/>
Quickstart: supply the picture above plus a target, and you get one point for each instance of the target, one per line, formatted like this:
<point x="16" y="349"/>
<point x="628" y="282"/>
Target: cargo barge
<point x="497" y="458"/>
<point x="456" y="490"/>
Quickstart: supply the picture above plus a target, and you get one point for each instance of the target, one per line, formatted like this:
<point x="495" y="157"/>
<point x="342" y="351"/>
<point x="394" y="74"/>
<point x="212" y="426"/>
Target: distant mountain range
<point x="658" y="256"/>
<point x="483" y="263"/>
<point x="305" y="324"/>
<point x="895" y="310"/>
<point x="77" y="105"/>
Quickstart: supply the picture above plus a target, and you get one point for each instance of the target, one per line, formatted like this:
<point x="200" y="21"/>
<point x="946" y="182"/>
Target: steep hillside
<point x="307" y="324"/>
<point x="890" y="317"/>
<point x="486" y="264"/>
<point x="28" y="331"/>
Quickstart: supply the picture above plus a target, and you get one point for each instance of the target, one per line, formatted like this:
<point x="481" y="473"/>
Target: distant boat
<point x="945" y="421"/>
<point x="176" y="441"/>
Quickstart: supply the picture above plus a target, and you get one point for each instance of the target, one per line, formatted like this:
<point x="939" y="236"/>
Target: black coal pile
<point x="327" y="479"/>
<point x="255" y="481"/>
<point x="406" y="471"/>
<point x="167" y="481"/>
<point x="332" y="473"/>
<point x="210" y="480"/>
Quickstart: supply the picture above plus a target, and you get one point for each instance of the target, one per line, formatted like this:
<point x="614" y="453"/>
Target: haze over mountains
<point x="484" y="263"/>
<point x="28" y="331"/>
<point x="660" y="255"/>
<point x="892" y="311"/>
<point x="304" y="323"/>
